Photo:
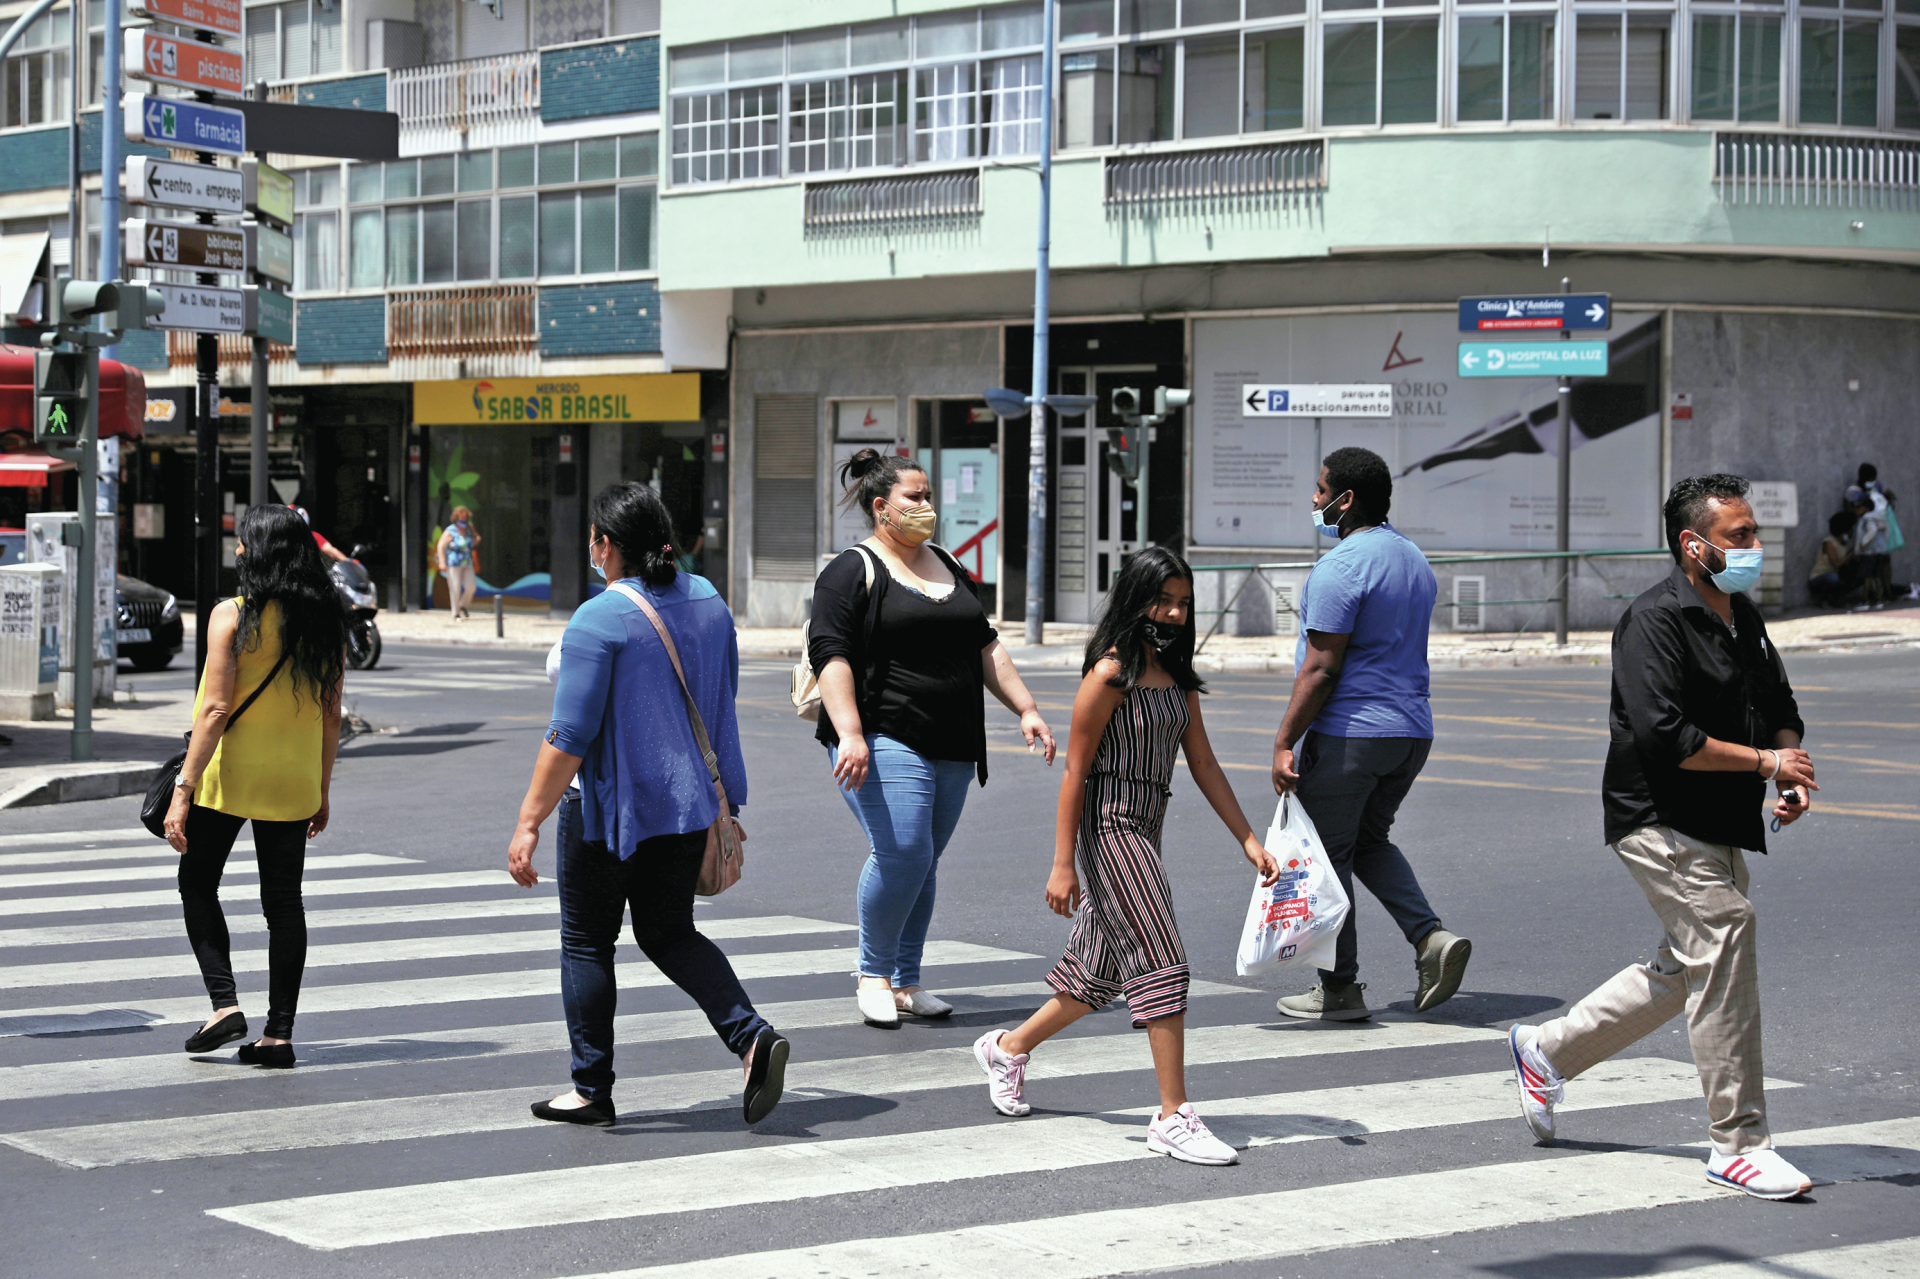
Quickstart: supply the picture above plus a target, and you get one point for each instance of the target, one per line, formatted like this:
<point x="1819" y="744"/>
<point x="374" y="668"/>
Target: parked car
<point x="148" y="621"/>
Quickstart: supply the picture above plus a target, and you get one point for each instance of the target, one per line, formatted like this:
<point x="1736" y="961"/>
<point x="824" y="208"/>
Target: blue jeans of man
<point x="1352" y="787"/>
<point x="596" y="890"/>
<point x="908" y="807"/>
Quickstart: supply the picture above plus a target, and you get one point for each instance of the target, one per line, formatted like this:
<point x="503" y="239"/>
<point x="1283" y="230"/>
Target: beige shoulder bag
<point x="725" y="859"/>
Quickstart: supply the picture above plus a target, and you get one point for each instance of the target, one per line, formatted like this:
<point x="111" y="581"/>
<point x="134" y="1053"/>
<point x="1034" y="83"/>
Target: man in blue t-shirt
<point x="1360" y="701"/>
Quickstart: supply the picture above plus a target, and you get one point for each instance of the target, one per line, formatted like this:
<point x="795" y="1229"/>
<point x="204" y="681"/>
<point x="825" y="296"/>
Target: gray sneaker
<point x="1441" y="962"/>
<point x="1320" y="1004"/>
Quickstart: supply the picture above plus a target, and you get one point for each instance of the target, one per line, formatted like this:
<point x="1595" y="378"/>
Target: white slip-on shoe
<point x="1006" y="1074"/>
<point x="912" y="999"/>
<point x="876" y="1005"/>
<point x="1760" y="1173"/>
<point x="1541" y="1087"/>
<point x="1183" y="1136"/>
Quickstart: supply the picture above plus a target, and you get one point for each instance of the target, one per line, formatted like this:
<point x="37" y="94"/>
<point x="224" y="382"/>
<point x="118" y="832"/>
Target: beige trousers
<point x="460" y="586"/>
<point x="1707" y="965"/>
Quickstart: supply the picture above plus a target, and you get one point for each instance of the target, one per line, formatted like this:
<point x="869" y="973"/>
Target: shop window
<point x="1212" y="86"/>
<point x="1620" y="66"/>
<point x="1839" y="83"/>
<point x="1276" y="80"/>
<point x="1736" y="68"/>
<point x="1145" y="84"/>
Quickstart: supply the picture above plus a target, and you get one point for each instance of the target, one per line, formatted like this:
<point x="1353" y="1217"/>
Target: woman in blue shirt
<point x="646" y="800"/>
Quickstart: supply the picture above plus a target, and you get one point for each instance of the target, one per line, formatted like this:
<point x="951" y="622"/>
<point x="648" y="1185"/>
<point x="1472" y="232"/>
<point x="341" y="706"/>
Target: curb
<point x="68" y="783"/>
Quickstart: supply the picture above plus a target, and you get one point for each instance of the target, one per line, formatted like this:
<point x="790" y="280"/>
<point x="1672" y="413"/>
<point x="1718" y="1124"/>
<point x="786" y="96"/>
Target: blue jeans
<point x="908" y="807"/>
<point x="1351" y="787"/>
<point x="596" y="890"/>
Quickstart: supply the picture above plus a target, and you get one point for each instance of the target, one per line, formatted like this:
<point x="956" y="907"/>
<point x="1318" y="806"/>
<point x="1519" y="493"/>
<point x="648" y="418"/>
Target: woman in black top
<point x="904" y="649"/>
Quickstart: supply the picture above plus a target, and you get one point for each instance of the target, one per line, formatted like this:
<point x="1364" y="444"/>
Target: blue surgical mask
<point x="599" y="572"/>
<point x="1320" y="517"/>
<point x="1742" y="571"/>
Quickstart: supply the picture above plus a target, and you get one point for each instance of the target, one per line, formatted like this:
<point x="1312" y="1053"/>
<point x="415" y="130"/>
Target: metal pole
<point x="111" y="147"/>
<point x="76" y="196"/>
<point x="1563" y="503"/>
<point x="86" y="628"/>
<point x="499" y="616"/>
<point x="206" y="389"/>
<point x="1042" y="298"/>
<point x="257" y="418"/>
<point x="1316" y="480"/>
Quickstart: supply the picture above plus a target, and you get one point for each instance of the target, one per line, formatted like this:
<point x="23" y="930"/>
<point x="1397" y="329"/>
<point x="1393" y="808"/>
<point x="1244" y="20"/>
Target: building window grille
<point x="1285" y="176"/>
<point x="923" y="202"/>
<point x="1808" y="169"/>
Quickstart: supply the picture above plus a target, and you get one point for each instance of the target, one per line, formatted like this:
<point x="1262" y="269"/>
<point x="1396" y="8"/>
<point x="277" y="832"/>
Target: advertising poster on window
<point x="858" y="424"/>
<point x="1473" y="459"/>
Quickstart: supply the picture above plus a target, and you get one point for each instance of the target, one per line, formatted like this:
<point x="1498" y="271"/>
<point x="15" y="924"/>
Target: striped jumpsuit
<point x="1124" y="939"/>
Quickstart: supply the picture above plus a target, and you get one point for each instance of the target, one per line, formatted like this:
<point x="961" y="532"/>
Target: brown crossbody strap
<point x="686" y="693"/>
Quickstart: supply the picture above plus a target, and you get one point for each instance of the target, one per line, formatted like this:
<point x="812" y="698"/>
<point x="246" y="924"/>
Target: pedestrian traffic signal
<point x="1168" y="398"/>
<point x="60" y="396"/>
<point x="119" y="305"/>
<point x="1126" y="403"/>
<point x="136" y="305"/>
<point x="1123" y="451"/>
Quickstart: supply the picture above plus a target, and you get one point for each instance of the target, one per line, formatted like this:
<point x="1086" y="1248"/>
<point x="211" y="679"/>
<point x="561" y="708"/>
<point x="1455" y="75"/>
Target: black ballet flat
<point x="271" y="1056"/>
<point x="595" y="1114"/>
<point x="229" y="1028"/>
<point x="766" y="1075"/>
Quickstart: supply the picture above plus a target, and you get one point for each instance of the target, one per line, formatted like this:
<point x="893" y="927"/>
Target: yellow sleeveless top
<point x="268" y="764"/>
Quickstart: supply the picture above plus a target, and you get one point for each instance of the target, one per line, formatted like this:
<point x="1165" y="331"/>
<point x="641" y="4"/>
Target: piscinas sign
<point x="634" y="397"/>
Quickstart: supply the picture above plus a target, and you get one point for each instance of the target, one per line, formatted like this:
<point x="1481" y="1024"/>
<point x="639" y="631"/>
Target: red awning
<point x="123" y="395"/>
<point x="29" y="469"/>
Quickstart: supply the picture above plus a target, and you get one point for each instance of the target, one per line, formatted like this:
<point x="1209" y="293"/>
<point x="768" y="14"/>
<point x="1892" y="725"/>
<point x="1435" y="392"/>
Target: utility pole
<point x="111" y="146"/>
<point x="1042" y="303"/>
<point x="1563" y="500"/>
<point x="206" y="408"/>
<point x="258" y="414"/>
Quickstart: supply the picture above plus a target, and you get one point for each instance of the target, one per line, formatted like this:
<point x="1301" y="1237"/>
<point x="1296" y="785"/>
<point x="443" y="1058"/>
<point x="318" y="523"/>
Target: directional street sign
<point x="272" y="315"/>
<point x="1533" y="359"/>
<point x="225" y="17"/>
<point x="1366" y="399"/>
<point x="270" y="250"/>
<point x="1538" y="311"/>
<point x="192" y="126"/>
<point x="200" y="309"/>
<point x="267" y="191"/>
<point x="190" y="64"/>
<point x="173" y="185"/>
<point x="182" y="244"/>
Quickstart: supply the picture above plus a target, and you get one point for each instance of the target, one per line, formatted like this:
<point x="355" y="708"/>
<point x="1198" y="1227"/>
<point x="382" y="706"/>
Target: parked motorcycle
<point x="355" y="585"/>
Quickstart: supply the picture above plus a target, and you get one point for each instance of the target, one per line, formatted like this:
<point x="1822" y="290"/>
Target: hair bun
<point x="863" y="461"/>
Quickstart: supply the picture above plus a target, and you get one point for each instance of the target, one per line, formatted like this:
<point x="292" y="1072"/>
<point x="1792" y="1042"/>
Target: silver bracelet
<point x="1776" y="764"/>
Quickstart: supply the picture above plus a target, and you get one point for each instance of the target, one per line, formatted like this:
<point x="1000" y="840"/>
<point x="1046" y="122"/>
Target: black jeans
<point x="596" y="890"/>
<point x="281" y="848"/>
<point x="1351" y="788"/>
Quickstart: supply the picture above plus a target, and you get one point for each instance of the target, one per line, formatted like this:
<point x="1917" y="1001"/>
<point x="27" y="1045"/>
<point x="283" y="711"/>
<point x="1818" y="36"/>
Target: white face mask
<point x="599" y="572"/>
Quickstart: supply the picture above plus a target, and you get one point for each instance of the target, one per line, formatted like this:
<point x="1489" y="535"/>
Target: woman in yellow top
<point x="286" y="635"/>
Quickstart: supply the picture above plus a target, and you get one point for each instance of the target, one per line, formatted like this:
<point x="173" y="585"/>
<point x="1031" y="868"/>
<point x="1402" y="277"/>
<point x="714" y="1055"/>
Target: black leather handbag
<point x="153" y="810"/>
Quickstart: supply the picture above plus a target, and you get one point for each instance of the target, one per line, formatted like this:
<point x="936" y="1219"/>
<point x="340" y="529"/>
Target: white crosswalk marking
<point x="98" y="902"/>
<point x="319" y="922"/>
<point x="152" y="850"/>
<point x="74" y="838"/>
<point x="122" y="874"/>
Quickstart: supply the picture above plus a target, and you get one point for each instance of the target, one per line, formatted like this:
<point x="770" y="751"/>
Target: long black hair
<point x="635" y="520"/>
<point x="279" y="563"/>
<point x="870" y="475"/>
<point x="1118" y="631"/>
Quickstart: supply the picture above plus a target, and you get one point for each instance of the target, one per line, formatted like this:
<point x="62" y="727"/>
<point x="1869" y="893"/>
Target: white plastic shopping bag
<point x="1295" y="923"/>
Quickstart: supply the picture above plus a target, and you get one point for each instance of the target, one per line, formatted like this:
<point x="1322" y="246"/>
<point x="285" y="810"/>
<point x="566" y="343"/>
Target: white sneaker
<point x="912" y="999"/>
<point x="1006" y="1074"/>
<point x="1541" y="1087"/>
<point x="876" y="1005"/>
<point x="1183" y="1136"/>
<point x="1760" y="1173"/>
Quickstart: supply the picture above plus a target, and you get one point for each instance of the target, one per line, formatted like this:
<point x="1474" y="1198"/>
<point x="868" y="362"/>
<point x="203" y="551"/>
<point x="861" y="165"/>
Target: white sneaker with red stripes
<point x="1541" y="1087"/>
<point x="1760" y="1173"/>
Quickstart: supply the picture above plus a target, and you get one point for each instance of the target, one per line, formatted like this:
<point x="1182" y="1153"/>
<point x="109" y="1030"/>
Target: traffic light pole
<point x="1042" y="305"/>
<point x="257" y="394"/>
<point x="86" y="628"/>
<point x="206" y="384"/>
<point x="1564" y="499"/>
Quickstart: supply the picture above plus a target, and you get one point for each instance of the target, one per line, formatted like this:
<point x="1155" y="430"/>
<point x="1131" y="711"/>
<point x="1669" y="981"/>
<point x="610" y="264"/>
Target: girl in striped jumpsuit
<point x="1138" y="704"/>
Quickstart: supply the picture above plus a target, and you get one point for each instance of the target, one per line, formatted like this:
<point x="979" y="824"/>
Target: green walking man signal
<point x="60" y="395"/>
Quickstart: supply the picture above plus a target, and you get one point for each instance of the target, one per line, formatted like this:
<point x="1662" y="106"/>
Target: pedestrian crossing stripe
<point x="1849" y="1261"/>
<point x="26" y="839"/>
<point x="494" y="910"/>
<point x="416" y="992"/>
<point x="1315" y="1219"/>
<point x="94" y="903"/>
<point x="121" y="874"/>
<point x="153" y="851"/>
<point x="388" y="950"/>
<point x="805" y="1170"/>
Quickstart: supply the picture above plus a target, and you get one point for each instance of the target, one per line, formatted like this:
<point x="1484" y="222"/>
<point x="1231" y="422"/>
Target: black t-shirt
<point x="916" y="660"/>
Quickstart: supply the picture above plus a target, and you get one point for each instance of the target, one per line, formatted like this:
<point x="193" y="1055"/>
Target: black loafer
<point x="272" y="1056"/>
<point x="766" y="1075"/>
<point x="595" y="1114"/>
<point x="229" y="1028"/>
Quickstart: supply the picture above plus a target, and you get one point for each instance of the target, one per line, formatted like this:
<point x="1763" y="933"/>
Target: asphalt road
<point x="432" y="1022"/>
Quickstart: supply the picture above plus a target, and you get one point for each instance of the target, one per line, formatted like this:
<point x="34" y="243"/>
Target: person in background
<point x="1870" y="545"/>
<point x="457" y="556"/>
<point x="1703" y="718"/>
<point x="327" y="548"/>
<point x="904" y="650"/>
<point x="286" y="636"/>
<point x="689" y="556"/>
<point x="1360" y="712"/>
<point x="1834" y="574"/>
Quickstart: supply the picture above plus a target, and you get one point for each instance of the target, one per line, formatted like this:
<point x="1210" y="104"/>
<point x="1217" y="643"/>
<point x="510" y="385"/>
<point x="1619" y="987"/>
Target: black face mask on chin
<point x="1160" y="635"/>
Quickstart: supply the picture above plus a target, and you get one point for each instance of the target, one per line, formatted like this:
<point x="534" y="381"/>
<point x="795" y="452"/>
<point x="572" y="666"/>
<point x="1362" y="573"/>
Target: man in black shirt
<point x="1703" y="718"/>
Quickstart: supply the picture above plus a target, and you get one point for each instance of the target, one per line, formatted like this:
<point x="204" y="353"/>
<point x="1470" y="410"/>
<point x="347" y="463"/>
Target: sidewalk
<point x="130" y="740"/>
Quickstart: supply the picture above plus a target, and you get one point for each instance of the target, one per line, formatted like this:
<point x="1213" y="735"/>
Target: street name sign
<point x="345" y="133"/>
<point x="173" y="185"/>
<point x="267" y="191"/>
<point x="191" y="64"/>
<point x="182" y="244"/>
<point x="1536" y="311"/>
<point x="200" y="309"/>
<point x="270" y="250"/>
<point x="223" y="17"/>
<point x="1365" y="399"/>
<point x="191" y="126"/>
<point x="271" y="315"/>
<point x="1533" y="359"/>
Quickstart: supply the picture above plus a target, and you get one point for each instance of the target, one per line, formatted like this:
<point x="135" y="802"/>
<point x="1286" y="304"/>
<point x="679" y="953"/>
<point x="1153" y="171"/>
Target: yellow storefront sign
<point x="632" y="397"/>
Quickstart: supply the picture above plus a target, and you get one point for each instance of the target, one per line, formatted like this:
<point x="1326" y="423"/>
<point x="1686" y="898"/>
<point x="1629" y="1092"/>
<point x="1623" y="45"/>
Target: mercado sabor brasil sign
<point x="633" y="397"/>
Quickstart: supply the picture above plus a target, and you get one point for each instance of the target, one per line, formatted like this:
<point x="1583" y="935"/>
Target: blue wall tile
<point x="341" y="330"/>
<point x="38" y="160"/>
<point x="361" y="92"/>
<point x="616" y="78"/>
<point x="144" y="349"/>
<point x="618" y="318"/>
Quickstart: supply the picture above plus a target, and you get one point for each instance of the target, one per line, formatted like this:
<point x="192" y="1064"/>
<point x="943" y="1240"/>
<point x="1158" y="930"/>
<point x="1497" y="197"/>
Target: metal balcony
<point x="1808" y="169"/>
<point x="1287" y="176"/>
<point x="486" y="330"/>
<point x="875" y="206"/>
<point x="236" y="352"/>
<point x="477" y="102"/>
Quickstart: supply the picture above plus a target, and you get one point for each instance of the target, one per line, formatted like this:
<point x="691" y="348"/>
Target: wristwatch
<point x="181" y="783"/>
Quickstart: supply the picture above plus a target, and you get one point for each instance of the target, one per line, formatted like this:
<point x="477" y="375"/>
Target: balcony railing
<point x="486" y="320"/>
<point x="1790" y="169"/>
<point x="236" y="351"/>
<point x="477" y="94"/>
<point x="872" y="206"/>
<point x="1231" y="178"/>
